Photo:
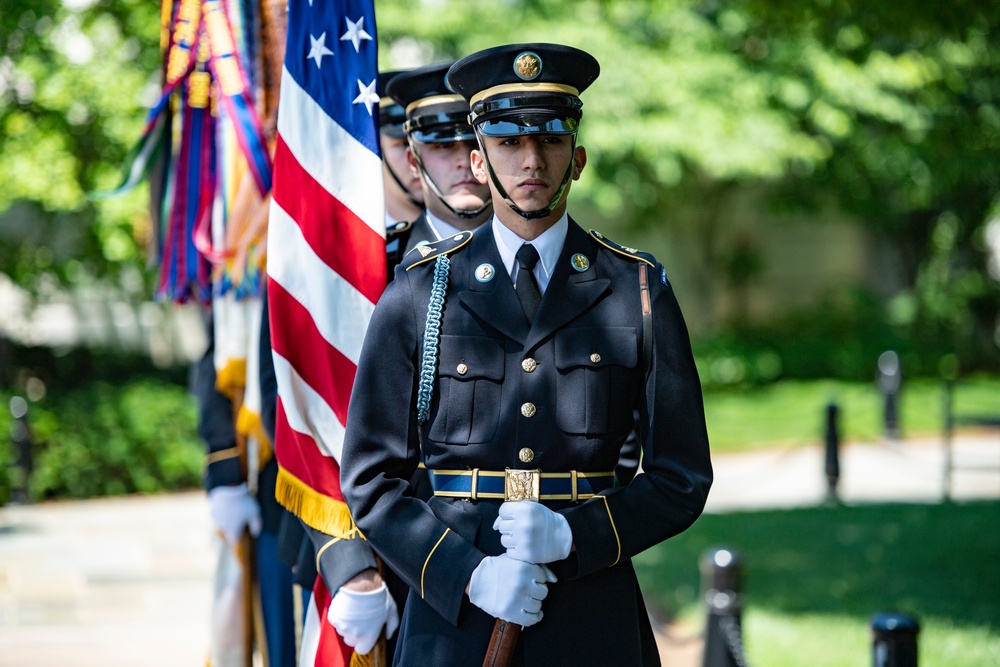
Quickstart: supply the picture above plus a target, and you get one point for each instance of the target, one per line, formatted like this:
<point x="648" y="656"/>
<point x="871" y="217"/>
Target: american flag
<point x="326" y="258"/>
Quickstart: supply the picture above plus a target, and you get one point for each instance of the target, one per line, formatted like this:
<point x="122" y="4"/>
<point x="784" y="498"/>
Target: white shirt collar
<point x="549" y="245"/>
<point x="440" y="228"/>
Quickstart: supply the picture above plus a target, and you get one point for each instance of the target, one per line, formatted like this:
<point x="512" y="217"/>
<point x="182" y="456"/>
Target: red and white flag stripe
<point x="326" y="264"/>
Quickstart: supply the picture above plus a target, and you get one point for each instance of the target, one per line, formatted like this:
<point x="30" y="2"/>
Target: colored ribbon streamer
<point x="183" y="271"/>
<point x="234" y="89"/>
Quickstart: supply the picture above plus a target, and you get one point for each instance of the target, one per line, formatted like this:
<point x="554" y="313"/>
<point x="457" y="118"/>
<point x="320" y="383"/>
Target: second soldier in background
<point x="440" y="142"/>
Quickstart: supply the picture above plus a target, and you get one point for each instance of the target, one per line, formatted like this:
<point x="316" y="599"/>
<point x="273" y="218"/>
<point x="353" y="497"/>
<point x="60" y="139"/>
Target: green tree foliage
<point x="75" y="79"/>
<point x="888" y="112"/>
<point x="909" y="102"/>
<point x="106" y="438"/>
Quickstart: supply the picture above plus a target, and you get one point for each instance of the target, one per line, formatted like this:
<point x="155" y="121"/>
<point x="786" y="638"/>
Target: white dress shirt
<point x="549" y="245"/>
<point x="440" y="228"/>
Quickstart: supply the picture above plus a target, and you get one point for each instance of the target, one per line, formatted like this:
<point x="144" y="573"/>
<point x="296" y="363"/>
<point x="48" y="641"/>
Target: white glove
<point x="232" y="508"/>
<point x="359" y="616"/>
<point x="533" y="533"/>
<point x="510" y="589"/>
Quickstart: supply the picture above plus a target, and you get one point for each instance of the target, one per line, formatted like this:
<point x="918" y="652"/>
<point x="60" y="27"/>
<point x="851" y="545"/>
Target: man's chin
<point x="529" y="204"/>
<point x="465" y="202"/>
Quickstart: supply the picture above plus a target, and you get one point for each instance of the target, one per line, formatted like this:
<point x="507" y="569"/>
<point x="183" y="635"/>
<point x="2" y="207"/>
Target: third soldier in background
<point x="404" y="196"/>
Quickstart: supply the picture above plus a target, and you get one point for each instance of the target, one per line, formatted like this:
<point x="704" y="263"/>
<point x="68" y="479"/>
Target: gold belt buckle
<point x="521" y="484"/>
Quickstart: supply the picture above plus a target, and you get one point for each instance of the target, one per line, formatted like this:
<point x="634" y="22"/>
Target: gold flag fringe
<point x="358" y="660"/>
<point x="249" y="424"/>
<point x="232" y="377"/>
<point x="316" y="510"/>
<point x="375" y="658"/>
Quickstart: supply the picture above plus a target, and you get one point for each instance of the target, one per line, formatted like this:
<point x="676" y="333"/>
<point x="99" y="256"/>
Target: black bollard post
<point x="21" y="464"/>
<point x="832" y="463"/>
<point x="889" y="380"/>
<point x="948" y="418"/>
<point x="894" y="640"/>
<point x="722" y="590"/>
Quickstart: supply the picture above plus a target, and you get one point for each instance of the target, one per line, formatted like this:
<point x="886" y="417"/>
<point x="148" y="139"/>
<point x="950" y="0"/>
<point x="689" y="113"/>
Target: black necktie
<point x="527" y="286"/>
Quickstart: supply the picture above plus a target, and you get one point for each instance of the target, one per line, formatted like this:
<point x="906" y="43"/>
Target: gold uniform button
<point x="528" y="409"/>
<point x="529" y="365"/>
<point x="462" y="369"/>
<point x="596" y="358"/>
<point x="526" y="455"/>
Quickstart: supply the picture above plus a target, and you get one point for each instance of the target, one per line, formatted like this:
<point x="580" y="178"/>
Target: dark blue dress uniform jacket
<point x="298" y="543"/>
<point x="585" y="411"/>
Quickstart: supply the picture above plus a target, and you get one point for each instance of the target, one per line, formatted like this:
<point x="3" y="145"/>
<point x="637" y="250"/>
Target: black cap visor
<point x="521" y="124"/>
<point x="392" y="130"/>
<point x="391" y="117"/>
<point x="440" y="128"/>
<point x="527" y="113"/>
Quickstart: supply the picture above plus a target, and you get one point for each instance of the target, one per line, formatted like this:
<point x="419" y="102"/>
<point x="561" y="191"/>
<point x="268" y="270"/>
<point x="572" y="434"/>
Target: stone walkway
<point x="901" y="471"/>
<point x="126" y="582"/>
<point x="122" y="582"/>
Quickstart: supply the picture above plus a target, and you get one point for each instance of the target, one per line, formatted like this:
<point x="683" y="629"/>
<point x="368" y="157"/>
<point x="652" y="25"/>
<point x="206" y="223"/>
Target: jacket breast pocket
<point x="470" y="378"/>
<point x="597" y="379"/>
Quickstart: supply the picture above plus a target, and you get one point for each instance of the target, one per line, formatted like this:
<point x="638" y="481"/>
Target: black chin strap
<point x="528" y="215"/>
<point x="465" y="213"/>
<point x="409" y="195"/>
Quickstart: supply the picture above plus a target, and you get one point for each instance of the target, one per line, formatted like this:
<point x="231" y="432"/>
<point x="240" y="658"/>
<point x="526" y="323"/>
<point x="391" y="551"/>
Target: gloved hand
<point x="533" y="533"/>
<point x="359" y="616"/>
<point x="510" y="589"/>
<point x="232" y="509"/>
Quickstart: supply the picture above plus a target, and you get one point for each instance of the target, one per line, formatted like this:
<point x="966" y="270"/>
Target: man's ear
<point x="579" y="161"/>
<point x="478" y="163"/>
<point x="412" y="162"/>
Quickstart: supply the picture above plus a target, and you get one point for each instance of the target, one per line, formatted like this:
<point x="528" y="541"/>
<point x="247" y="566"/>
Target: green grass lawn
<point x="815" y="577"/>
<point x="792" y="413"/>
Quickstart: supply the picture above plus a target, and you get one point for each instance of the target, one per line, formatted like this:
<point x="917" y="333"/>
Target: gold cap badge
<point x="527" y="66"/>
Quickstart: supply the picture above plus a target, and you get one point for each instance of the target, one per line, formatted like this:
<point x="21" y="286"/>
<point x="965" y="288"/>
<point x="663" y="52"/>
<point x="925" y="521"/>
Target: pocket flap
<point x="470" y="357"/>
<point x="596" y="347"/>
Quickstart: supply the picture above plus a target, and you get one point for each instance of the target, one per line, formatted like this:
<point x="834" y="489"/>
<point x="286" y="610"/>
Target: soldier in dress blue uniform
<point x="233" y="508"/>
<point x="516" y="362"/>
<point x="404" y="196"/>
<point x="440" y="142"/>
<point x="361" y="607"/>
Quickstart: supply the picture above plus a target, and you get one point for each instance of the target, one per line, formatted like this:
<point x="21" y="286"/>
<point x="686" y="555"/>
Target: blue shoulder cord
<point x="432" y="337"/>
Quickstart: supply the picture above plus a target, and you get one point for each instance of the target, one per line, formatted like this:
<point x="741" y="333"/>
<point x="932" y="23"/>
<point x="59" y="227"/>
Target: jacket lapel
<point x="570" y="292"/>
<point x="494" y="301"/>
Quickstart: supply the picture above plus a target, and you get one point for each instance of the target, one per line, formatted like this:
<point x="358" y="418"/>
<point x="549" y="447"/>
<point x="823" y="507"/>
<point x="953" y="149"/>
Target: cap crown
<point x="434" y="112"/>
<point x="521" y="89"/>
<point x="524" y="67"/>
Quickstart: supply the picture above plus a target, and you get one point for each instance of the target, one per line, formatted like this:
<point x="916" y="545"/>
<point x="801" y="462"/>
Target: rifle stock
<point x="503" y="641"/>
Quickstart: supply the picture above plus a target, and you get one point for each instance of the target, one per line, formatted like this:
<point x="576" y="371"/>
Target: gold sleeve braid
<point x="613" y="528"/>
<point x="424" y="570"/>
<point x="222" y="455"/>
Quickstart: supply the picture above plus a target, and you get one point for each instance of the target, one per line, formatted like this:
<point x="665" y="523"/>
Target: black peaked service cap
<point x="434" y="112"/>
<point x="525" y="88"/>
<point x="391" y="116"/>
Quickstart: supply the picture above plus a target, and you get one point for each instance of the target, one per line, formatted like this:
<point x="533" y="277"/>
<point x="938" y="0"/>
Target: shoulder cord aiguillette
<point x="432" y="336"/>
